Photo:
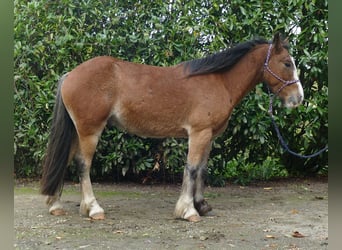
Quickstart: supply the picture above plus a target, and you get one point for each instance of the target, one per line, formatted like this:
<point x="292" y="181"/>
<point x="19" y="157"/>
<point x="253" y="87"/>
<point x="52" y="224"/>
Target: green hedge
<point x="52" y="37"/>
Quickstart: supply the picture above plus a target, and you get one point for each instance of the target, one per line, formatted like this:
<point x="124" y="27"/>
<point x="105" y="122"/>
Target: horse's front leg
<point x="200" y="203"/>
<point x="190" y="204"/>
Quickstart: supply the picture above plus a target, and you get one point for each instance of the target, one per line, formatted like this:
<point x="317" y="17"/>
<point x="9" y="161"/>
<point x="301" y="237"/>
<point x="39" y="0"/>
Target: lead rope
<point x="270" y="111"/>
<point x="280" y="137"/>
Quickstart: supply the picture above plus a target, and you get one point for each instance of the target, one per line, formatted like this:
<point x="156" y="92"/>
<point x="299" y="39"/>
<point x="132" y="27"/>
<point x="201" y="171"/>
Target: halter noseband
<point x="267" y="68"/>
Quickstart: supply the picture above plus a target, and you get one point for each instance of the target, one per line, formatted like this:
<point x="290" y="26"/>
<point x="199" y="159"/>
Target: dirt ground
<point x="272" y="215"/>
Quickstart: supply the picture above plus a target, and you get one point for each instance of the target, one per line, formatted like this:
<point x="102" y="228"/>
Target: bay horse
<point x="193" y="100"/>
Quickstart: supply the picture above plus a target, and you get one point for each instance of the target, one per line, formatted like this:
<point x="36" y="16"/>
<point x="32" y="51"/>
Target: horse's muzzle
<point x="293" y="101"/>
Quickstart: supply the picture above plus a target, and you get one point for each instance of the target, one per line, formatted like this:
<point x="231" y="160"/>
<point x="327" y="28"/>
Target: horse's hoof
<point x="58" y="212"/>
<point x="98" y="216"/>
<point x="203" y="207"/>
<point x="194" y="218"/>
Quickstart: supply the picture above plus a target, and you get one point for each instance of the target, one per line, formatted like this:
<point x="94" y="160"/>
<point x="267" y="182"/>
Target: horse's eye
<point x="287" y="64"/>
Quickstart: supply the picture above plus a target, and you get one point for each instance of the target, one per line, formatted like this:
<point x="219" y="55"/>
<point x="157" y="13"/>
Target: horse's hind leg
<point x="192" y="188"/>
<point x="54" y="201"/>
<point x="89" y="206"/>
<point x="55" y="205"/>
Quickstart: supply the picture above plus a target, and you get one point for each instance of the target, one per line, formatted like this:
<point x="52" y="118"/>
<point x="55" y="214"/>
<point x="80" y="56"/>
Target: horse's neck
<point x="246" y="74"/>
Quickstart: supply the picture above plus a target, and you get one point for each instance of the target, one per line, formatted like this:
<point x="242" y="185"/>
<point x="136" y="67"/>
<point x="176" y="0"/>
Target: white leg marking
<point x="89" y="206"/>
<point x="56" y="207"/>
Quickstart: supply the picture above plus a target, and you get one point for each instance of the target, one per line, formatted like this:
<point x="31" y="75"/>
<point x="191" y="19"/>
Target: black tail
<point x="60" y="141"/>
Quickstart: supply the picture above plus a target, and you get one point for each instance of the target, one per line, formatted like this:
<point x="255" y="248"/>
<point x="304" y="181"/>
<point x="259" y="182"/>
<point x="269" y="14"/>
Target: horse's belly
<point x="148" y="126"/>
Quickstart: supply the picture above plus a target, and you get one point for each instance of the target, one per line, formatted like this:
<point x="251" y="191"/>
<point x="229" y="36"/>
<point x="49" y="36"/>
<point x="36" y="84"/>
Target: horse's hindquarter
<point x="88" y="94"/>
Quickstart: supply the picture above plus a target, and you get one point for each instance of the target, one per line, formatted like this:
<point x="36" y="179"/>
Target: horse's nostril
<point x="300" y="98"/>
<point x="292" y="99"/>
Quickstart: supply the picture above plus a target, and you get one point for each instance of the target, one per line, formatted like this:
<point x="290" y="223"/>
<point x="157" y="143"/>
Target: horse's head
<point x="280" y="73"/>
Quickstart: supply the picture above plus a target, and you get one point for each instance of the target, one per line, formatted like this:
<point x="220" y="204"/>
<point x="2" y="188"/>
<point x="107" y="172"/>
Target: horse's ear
<point x="277" y="42"/>
<point x="286" y="42"/>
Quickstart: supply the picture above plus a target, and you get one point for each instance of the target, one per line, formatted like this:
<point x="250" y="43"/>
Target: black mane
<point x="221" y="61"/>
